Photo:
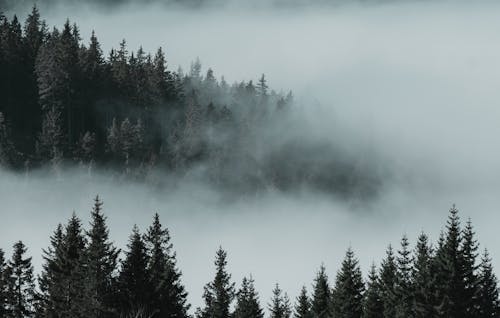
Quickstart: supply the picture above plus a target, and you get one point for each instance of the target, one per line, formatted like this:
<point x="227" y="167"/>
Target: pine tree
<point x="449" y="271"/>
<point x="69" y="288"/>
<point x="169" y="297"/>
<point x="247" y="301"/>
<point x="133" y="282"/>
<point x="218" y="294"/>
<point x="50" y="279"/>
<point x="388" y="278"/>
<point x="347" y="300"/>
<point x="262" y="87"/>
<point x="404" y="288"/>
<point x="303" y="305"/>
<point x="422" y="279"/>
<point x="469" y="254"/>
<point x="280" y="304"/>
<point x="373" y="306"/>
<point x="8" y="153"/>
<point x="488" y="301"/>
<point x="21" y="284"/>
<point x="100" y="266"/>
<point x="320" y="304"/>
<point x="3" y="285"/>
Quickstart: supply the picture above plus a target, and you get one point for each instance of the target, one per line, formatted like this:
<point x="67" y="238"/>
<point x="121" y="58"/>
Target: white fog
<point x="413" y="86"/>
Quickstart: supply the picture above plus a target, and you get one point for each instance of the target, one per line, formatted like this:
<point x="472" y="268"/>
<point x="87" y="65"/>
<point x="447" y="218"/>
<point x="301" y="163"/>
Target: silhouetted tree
<point x="320" y="303"/>
<point x="303" y="305"/>
<point x="279" y="307"/>
<point x="247" y="301"/>
<point x="218" y="294"/>
<point x="347" y="295"/>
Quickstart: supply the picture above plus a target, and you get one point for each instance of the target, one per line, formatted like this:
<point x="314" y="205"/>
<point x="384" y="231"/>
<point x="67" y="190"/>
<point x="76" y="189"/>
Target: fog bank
<point x="413" y="87"/>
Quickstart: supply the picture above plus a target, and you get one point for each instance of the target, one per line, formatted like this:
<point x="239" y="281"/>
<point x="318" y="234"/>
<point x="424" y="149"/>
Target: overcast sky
<point x="417" y="84"/>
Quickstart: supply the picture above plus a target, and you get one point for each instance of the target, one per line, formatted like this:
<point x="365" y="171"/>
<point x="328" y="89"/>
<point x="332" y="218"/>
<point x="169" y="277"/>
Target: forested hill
<point x="64" y="103"/>
<point x="85" y="275"/>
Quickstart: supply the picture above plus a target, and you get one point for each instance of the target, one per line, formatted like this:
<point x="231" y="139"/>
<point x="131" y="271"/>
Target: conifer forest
<point x="249" y="159"/>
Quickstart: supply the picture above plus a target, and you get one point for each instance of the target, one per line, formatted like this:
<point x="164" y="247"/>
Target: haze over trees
<point x="85" y="275"/>
<point x="66" y="104"/>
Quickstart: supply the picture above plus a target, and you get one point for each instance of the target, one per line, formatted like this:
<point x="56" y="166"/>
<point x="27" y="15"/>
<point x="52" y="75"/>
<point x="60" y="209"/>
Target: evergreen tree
<point x="69" y="288"/>
<point x="404" y="288"/>
<point x="133" y="281"/>
<point x="303" y="305"/>
<point x="21" y="299"/>
<point x="320" y="304"/>
<point x="449" y="271"/>
<point x="422" y="279"/>
<point x="469" y="254"/>
<point x="373" y="306"/>
<point x="8" y="153"/>
<point x="218" y="294"/>
<point x="247" y="301"/>
<point x="280" y="304"/>
<point x="488" y="301"/>
<point x="169" y="297"/>
<point x="3" y="285"/>
<point x="388" y="279"/>
<point x="50" y="279"/>
<point x="100" y="266"/>
<point x="349" y="287"/>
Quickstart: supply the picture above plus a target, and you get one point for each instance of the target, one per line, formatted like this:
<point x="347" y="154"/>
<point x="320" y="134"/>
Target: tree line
<point x="85" y="275"/>
<point x="63" y="103"/>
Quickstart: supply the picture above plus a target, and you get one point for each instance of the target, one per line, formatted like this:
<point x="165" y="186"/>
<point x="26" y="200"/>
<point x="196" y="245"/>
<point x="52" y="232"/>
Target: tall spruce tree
<point x="347" y="297"/>
<point x="247" y="301"/>
<point x="320" y="303"/>
<point x="69" y="290"/>
<point x="169" y="297"/>
<point x="3" y="285"/>
<point x="21" y="297"/>
<point x="388" y="279"/>
<point x="218" y="294"/>
<point x="488" y="301"/>
<point x="373" y="307"/>
<point x="469" y="253"/>
<point x="133" y="282"/>
<point x="100" y="266"/>
<point x="279" y="307"/>
<point x="422" y="279"/>
<point x="404" y="287"/>
<point x="449" y="271"/>
<point x="49" y="281"/>
<point x="303" y="305"/>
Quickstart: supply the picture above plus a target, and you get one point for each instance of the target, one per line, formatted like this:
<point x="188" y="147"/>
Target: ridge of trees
<point x="64" y="103"/>
<point x="83" y="276"/>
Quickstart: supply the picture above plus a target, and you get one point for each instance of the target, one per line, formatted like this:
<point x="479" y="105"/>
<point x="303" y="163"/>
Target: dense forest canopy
<point x="65" y="103"/>
<point x="85" y="275"/>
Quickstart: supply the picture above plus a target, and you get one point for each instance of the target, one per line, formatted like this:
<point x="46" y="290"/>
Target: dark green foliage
<point x="169" y="297"/>
<point x="3" y="285"/>
<point x="49" y="281"/>
<point x="404" y="287"/>
<point x="488" y="302"/>
<point x="133" y="282"/>
<point x="247" y="301"/>
<point x="422" y="279"/>
<point x="388" y="280"/>
<point x="347" y="298"/>
<point x="320" y="303"/>
<point x="100" y="265"/>
<point x="303" y="305"/>
<point x="449" y="271"/>
<point x="21" y="299"/>
<point x="80" y="279"/>
<point x="218" y="294"/>
<point x="373" y="306"/>
<point x="279" y="307"/>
